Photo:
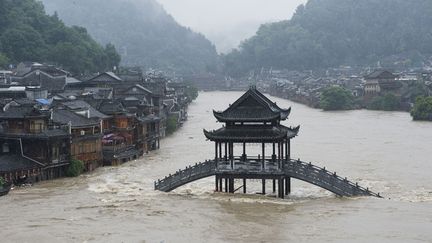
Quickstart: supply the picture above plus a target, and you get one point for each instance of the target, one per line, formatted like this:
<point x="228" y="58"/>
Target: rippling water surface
<point x="384" y="151"/>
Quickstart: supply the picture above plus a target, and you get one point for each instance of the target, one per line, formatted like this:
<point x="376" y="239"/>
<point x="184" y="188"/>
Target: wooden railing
<point x="189" y="174"/>
<point x="293" y="168"/>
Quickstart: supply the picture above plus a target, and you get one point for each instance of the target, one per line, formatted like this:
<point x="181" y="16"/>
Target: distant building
<point x="380" y="81"/>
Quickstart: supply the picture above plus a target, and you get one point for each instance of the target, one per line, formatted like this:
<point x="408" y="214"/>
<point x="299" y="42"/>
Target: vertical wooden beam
<point x="279" y="154"/>
<point x="282" y="151"/>
<point x="232" y="155"/>
<point x="274" y="151"/>
<point x="289" y="148"/>
<point x="220" y="151"/>
<point x="244" y="151"/>
<point x="244" y="185"/>
<point x="216" y="151"/>
<point x="226" y="184"/>
<point x="217" y="183"/>
<point x="220" y="184"/>
<point x="263" y="187"/>
<point x="287" y="185"/>
<point x="231" y="187"/>
<point x="274" y="185"/>
<point x="226" y="152"/>
<point x="263" y="156"/>
<point x="282" y="188"/>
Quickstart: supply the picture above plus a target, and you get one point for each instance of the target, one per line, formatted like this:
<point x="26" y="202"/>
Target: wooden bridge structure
<point x="254" y="119"/>
<point x="281" y="178"/>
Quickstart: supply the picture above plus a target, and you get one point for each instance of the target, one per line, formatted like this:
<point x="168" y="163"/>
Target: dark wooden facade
<point x="32" y="147"/>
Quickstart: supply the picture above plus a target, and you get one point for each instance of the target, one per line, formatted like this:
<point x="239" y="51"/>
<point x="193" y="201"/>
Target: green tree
<point x="75" y="168"/>
<point x="28" y="34"/>
<point x="422" y="109"/>
<point x="387" y="102"/>
<point x="323" y="34"/>
<point x="336" y="98"/>
<point x="4" y="61"/>
<point x="2" y="182"/>
<point x="112" y="56"/>
<point x="191" y="92"/>
<point x="171" y="125"/>
<point x="145" y="34"/>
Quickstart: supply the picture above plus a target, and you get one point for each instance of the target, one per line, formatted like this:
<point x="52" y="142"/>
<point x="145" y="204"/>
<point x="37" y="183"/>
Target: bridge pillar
<point x="287" y="185"/>
<point x="263" y="187"/>
<point x="281" y="191"/>
<point x="231" y="185"/>
<point x="226" y="184"/>
<point x="274" y="185"/>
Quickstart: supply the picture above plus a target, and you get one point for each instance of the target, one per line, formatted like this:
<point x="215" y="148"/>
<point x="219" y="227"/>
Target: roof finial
<point x="252" y="86"/>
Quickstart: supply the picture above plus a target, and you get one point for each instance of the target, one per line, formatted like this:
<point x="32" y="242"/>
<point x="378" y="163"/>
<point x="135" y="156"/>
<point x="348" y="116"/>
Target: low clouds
<point x="227" y="22"/>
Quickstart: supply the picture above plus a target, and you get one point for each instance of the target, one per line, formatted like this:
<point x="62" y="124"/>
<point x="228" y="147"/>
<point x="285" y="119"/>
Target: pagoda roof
<point x="252" y="133"/>
<point x="380" y="74"/>
<point x="252" y="106"/>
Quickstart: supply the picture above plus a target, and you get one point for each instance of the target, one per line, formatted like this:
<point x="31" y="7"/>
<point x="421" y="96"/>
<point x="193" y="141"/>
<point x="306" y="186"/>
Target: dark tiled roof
<point x="149" y="118"/>
<point x="79" y="104"/>
<point x="380" y="74"/>
<point x="17" y="112"/>
<point x="111" y="107"/>
<point x="66" y="116"/>
<point x="110" y="75"/>
<point x="12" y="162"/>
<point x="253" y="106"/>
<point x="252" y="133"/>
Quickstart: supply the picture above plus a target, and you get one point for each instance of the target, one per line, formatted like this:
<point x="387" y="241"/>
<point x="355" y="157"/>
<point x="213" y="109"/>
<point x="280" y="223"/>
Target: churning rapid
<point x="384" y="151"/>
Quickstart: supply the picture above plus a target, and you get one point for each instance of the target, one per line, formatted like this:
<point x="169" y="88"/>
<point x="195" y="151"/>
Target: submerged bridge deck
<point x="254" y="169"/>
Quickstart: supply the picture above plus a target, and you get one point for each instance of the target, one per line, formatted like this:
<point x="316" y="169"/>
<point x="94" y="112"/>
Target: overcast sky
<point x="227" y="22"/>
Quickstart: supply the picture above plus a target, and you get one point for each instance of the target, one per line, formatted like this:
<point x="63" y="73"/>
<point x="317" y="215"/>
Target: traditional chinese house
<point x="120" y="143"/>
<point x="86" y="132"/>
<point x="31" y="146"/>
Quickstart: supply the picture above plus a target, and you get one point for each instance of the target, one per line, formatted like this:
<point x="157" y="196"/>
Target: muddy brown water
<point x="384" y="151"/>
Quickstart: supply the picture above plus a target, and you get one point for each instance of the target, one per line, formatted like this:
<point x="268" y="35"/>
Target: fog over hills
<point x="227" y="22"/>
<point x="143" y="32"/>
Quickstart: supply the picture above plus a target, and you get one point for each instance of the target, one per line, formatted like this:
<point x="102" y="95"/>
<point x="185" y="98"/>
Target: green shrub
<point x="171" y="125"/>
<point x="422" y="109"/>
<point x="336" y="98"/>
<point x="2" y="181"/>
<point x="76" y="167"/>
<point x="388" y="102"/>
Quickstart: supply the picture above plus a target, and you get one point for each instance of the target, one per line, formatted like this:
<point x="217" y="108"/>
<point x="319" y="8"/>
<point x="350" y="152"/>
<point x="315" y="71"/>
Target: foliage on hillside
<point x="142" y="31"/>
<point x="336" y="98"/>
<point x="422" y="109"/>
<point x="329" y="33"/>
<point x="28" y="34"/>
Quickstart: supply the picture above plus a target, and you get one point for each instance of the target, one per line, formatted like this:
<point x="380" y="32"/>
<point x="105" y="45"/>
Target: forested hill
<point x="329" y="33"/>
<point x="142" y="31"/>
<point x="28" y="34"/>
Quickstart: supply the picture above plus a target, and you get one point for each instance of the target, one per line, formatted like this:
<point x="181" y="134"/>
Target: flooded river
<point x="384" y="151"/>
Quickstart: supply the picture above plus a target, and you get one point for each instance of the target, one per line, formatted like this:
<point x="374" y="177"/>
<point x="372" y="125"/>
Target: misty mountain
<point x="329" y="33"/>
<point x="142" y="31"/>
<point x="27" y="33"/>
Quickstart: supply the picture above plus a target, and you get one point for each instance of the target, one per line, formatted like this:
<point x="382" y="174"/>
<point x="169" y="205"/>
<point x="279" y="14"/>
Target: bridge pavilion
<point x="252" y="119"/>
